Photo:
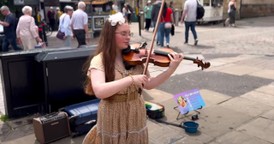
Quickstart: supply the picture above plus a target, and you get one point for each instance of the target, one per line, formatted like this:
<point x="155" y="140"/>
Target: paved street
<point x="237" y="88"/>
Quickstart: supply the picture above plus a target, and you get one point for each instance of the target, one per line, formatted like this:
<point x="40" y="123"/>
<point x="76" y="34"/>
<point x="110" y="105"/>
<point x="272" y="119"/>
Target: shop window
<point x="206" y="2"/>
<point x="217" y="3"/>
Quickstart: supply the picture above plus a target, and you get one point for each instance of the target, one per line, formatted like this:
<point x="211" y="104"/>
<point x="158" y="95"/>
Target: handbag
<point x="172" y="32"/>
<point x="60" y="35"/>
<point x="168" y="25"/>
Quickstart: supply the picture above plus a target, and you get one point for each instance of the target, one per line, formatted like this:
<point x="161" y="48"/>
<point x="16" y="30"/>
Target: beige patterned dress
<point x="121" y="117"/>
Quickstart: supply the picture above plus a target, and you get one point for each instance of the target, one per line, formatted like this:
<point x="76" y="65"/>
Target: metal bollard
<point x="142" y="19"/>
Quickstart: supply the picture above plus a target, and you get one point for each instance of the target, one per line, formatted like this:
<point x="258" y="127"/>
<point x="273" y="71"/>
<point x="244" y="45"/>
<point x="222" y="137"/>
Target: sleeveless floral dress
<point x="121" y="118"/>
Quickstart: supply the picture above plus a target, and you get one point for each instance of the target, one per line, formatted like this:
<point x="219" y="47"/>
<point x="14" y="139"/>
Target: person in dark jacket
<point x="9" y="25"/>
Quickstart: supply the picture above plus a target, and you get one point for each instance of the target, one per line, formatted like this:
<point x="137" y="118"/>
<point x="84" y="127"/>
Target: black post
<point x="139" y="18"/>
<point x="139" y="21"/>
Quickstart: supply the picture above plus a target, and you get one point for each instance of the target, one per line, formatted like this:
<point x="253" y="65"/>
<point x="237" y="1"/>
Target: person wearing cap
<point x="51" y="18"/>
<point x="79" y="24"/>
<point x="27" y="31"/>
<point x="64" y="25"/>
<point x="9" y="24"/>
<point x="147" y="11"/>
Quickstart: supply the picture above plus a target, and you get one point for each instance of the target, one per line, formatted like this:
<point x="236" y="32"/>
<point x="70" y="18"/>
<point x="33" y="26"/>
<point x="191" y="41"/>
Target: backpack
<point x="200" y="11"/>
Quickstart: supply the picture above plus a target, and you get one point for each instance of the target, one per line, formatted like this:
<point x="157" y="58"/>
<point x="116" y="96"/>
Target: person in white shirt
<point x="79" y="24"/>
<point x="115" y="8"/>
<point x="189" y="17"/>
<point x="64" y="25"/>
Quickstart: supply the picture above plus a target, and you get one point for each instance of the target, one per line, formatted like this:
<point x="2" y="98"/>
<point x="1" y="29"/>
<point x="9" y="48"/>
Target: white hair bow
<point x="116" y="18"/>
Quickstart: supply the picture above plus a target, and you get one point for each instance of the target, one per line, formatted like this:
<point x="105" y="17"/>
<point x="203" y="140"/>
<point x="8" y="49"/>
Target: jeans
<point x="190" y="25"/>
<point x="167" y="35"/>
<point x="9" y="41"/>
<point x="67" y="41"/>
<point x="164" y="33"/>
<point x="160" y="36"/>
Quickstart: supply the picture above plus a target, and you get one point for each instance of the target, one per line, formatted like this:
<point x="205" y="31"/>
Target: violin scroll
<point x="200" y="63"/>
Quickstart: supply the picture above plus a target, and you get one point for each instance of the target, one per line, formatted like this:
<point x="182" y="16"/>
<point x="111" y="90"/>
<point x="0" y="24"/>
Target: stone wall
<point x="256" y="10"/>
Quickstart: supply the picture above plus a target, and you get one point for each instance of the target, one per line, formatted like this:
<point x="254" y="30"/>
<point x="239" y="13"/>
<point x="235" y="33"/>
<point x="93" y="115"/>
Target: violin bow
<point x="153" y="37"/>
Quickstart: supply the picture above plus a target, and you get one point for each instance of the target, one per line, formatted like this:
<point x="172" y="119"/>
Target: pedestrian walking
<point x="121" y="117"/>
<point x="115" y="8"/>
<point x="64" y="25"/>
<point x="189" y="18"/>
<point x="79" y="24"/>
<point x="147" y="12"/>
<point x="9" y="24"/>
<point x="51" y="18"/>
<point x="165" y="25"/>
<point x="129" y="13"/>
<point x="58" y="15"/>
<point x="27" y="31"/>
<point x="230" y="21"/>
<point x="154" y="15"/>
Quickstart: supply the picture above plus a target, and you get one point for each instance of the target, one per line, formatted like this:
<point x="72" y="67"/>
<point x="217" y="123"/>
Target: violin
<point x="136" y="54"/>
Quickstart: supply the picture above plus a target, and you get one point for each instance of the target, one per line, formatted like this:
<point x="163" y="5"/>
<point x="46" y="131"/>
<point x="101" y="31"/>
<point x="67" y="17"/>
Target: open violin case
<point x="82" y="116"/>
<point x="154" y="110"/>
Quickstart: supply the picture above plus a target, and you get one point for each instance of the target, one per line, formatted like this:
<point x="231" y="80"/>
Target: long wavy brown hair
<point x="106" y="46"/>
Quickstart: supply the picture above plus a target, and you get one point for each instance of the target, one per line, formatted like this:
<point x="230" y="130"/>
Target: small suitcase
<point x="82" y="116"/>
<point x="51" y="127"/>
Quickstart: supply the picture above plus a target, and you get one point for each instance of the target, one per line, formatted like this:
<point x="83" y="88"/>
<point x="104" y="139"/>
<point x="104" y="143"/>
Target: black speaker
<point x="51" y="127"/>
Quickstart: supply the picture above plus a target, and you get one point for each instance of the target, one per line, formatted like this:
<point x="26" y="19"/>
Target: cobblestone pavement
<point x="237" y="88"/>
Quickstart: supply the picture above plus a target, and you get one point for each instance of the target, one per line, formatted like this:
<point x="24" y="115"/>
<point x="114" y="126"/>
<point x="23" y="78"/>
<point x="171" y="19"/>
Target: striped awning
<point x="96" y="2"/>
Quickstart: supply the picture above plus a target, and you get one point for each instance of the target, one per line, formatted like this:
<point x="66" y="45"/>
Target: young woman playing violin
<point x="121" y="114"/>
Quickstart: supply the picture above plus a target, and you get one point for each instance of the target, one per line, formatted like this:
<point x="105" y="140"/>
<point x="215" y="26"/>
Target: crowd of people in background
<point x="23" y="33"/>
<point x="75" y="23"/>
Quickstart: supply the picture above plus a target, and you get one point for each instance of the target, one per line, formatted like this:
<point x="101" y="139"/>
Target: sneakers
<point x="196" y="42"/>
<point x="158" y="43"/>
<point x="185" y="42"/>
<point x="167" y="45"/>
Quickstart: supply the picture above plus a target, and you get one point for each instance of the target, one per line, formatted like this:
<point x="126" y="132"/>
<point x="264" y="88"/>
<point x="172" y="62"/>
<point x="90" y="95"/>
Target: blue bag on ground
<point x="82" y="116"/>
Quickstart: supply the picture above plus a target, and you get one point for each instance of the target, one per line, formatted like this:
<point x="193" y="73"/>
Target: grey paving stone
<point x="261" y="128"/>
<point x="235" y="137"/>
<point x="260" y="97"/>
<point x="244" y="105"/>
<point x="166" y="134"/>
<point x="268" y="89"/>
<point x="269" y="74"/>
<point x="239" y="70"/>
<point x="269" y="115"/>
<point x="213" y="98"/>
<point x="227" y="84"/>
<point x="217" y="120"/>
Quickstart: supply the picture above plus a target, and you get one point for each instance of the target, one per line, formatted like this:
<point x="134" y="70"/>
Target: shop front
<point x="98" y="11"/>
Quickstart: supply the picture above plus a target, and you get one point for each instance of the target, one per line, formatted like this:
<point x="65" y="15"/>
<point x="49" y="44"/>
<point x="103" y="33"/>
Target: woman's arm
<point x="33" y="30"/>
<point x="18" y="28"/>
<point x="104" y="89"/>
<point x="156" y="81"/>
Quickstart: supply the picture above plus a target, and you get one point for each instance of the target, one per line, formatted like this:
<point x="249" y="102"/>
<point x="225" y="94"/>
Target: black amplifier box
<point x="51" y="127"/>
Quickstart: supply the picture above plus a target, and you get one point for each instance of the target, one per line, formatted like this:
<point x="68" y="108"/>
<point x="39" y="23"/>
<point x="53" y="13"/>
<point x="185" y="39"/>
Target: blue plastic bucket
<point x="190" y="126"/>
